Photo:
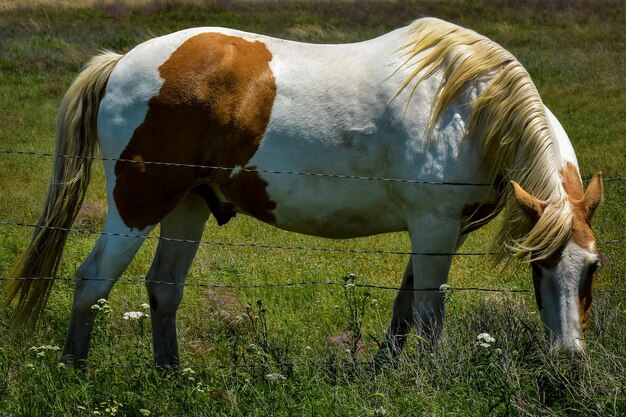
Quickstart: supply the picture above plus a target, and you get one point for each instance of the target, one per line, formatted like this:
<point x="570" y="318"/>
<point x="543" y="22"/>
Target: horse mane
<point x="510" y="120"/>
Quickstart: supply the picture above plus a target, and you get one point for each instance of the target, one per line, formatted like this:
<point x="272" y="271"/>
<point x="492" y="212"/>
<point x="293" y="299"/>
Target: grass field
<point x="309" y="334"/>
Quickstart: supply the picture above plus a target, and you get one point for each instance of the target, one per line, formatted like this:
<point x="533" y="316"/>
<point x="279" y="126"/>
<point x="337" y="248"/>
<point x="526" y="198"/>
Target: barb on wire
<point x="609" y="242"/>
<point x="611" y="179"/>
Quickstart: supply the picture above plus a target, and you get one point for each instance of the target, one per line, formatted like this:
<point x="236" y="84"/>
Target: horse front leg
<point x="413" y="306"/>
<point x="401" y="320"/>
<point x="166" y="278"/>
<point x="431" y="271"/>
<point x="95" y="278"/>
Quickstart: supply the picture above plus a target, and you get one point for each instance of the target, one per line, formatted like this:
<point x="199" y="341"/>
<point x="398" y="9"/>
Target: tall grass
<point x="319" y="339"/>
<point x="249" y="368"/>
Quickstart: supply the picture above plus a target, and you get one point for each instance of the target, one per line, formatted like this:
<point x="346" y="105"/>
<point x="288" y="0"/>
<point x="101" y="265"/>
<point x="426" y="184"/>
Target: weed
<point x="263" y="349"/>
<point x="357" y="305"/>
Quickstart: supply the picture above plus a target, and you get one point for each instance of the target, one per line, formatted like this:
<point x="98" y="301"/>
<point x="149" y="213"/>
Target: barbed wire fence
<point x="269" y="246"/>
<point x="143" y="281"/>
<point x="279" y="247"/>
<point x="259" y="171"/>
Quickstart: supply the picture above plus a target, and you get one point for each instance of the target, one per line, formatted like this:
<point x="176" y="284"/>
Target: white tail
<point x="76" y="144"/>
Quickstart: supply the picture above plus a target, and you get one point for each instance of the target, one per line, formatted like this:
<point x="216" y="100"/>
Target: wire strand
<point x="256" y="170"/>
<point x="263" y="171"/>
<point x="267" y="246"/>
<point x="290" y="284"/>
<point x="245" y="245"/>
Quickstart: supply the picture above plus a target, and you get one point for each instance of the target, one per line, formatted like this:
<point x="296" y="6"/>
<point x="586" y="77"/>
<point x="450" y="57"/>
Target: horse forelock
<point x="507" y="120"/>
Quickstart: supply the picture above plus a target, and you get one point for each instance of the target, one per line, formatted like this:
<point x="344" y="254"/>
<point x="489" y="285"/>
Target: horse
<point x="446" y="125"/>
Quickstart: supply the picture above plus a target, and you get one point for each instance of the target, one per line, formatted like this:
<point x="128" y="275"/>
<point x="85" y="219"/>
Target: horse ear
<point x="532" y="207"/>
<point x="593" y="195"/>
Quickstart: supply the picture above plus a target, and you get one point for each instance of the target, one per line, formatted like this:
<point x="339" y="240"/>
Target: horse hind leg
<point x="95" y="277"/>
<point x="401" y="320"/>
<point x="166" y="278"/>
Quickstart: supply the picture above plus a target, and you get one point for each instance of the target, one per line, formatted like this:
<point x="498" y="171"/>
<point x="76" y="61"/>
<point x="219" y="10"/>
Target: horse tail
<point x="76" y="144"/>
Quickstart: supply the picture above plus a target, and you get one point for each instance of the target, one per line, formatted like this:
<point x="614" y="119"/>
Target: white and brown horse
<point x="432" y="103"/>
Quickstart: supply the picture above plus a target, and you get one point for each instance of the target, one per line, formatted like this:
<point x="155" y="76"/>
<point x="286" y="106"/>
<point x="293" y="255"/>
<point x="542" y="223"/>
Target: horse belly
<point x="332" y="207"/>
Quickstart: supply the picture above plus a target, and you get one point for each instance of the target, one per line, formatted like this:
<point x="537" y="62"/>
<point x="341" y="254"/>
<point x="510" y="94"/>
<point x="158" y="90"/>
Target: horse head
<point x="563" y="281"/>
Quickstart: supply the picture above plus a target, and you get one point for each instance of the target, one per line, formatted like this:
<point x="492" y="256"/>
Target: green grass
<point x="573" y="50"/>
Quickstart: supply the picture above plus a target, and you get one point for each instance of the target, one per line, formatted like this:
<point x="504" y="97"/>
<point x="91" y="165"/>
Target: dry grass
<point x="6" y="5"/>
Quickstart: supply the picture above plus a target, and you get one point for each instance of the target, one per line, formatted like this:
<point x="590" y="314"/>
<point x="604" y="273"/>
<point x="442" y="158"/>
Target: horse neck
<point x="538" y="166"/>
<point x="566" y="150"/>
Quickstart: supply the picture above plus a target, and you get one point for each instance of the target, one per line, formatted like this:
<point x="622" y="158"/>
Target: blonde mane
<point x="508" y="118"/>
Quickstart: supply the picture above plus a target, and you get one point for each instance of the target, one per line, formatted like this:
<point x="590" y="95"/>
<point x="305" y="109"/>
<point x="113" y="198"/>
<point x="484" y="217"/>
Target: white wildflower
<point x="102" y="301"/>
<point x="189" y="374"/>
<point x="486" y="337"/>
<point x="444" y="288"/>
<point x="485" y="340"/>
<point x="40" y="351"/>
<point x="188" y="371"/>
<point x="145" y="306"/>
<point x="96" y="307"/>
<point x="144" y="412"/>
<point x="134" y="315"/>
<point x="379" y="412"/>
<point x="275" y="377"/>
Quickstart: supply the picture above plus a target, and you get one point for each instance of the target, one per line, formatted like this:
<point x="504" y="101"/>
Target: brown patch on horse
<point x="478" y="211"/>
<point x="532" y="207"/>
<point x="585" y="296"/>
<point x="477" y="215"/>
<point x="583" y="206"/>
<point x="581" y="209"/>
<point x="213" y="109"/>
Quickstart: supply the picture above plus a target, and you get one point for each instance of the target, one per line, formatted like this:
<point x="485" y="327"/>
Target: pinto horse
<point x="447" y="111"/>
